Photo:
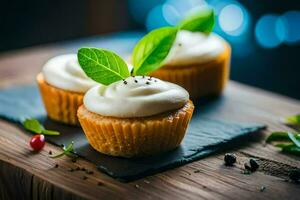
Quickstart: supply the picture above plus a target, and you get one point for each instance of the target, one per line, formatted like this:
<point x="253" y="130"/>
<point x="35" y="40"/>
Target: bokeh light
<point x="155" y="18"/>
<point x="184" y="7"/>
<point x="170" y="14"/>
<point x="269" y="31"/>
<point x="291" y="25"/>
<point x="139" y="9"/>
<point x="233" y="19"/>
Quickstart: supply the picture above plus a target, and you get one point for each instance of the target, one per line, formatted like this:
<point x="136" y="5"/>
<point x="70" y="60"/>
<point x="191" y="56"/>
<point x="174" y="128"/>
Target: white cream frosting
<point x="194" y="47"/>
<point x="64" y="72"/>
<point x="138" y="96"/>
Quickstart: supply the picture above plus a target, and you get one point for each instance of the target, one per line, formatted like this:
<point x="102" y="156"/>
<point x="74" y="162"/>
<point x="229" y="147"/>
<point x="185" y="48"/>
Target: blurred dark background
<point x="264" y="34"/>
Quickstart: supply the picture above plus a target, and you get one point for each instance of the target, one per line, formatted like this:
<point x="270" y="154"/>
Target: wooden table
<point x="25" y="175"/>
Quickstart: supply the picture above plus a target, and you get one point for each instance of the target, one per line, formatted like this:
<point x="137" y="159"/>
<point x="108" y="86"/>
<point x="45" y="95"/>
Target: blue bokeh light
<point x="139" y="9"/>
<point x="155" y="18"/>
<point x="269" y="31"/>
<point x="184" y="7"/>
<point x="233" y="19"/>
<point x="291" y="24"/>
<point x="170" y="14"/>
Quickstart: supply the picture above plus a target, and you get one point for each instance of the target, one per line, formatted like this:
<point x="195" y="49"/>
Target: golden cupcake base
<point x="131" y="137"/>
<point x="61" y="105"/>
<point x="202" y="79"/>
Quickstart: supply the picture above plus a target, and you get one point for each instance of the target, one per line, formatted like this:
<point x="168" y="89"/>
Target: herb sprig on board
<point x="33" y="125"/>
<point x="288" y="142"/>
<point x="67" y="151"/>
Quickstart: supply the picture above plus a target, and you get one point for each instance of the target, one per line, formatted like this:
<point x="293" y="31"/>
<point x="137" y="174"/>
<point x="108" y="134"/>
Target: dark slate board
<point x="204" y="136"/>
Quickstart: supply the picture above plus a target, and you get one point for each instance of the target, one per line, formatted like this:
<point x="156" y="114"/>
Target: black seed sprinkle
<point x="148" y="83"/>
<point x="229" y="159"/>
<point x="74" y="160"/>
<point x="294" y="175"/>
<point x="253" y="164"/>
<point x="135" y="81"/>
<point x="197" y="171"/>
<point x="84" y="177"/>
<point x="99" y="183"/>
<point x="262" y="188"/>
<point x="125" y="82"/>
<point x="71" y="170"/>
<point x="77" y="168"/>
<point x="248" y="167"/>
<point x="89" y="172"/>
<point x="83" y="169"/>
<point x="50" y="152"/>
<point x="143" y="76"/>
<point x="56" y="165"/>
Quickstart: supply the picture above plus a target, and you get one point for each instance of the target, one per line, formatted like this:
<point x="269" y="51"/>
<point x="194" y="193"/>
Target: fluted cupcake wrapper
<point x="129" y="137"/>
<point x="199" y="79"/>
<point x="61" y="105"/>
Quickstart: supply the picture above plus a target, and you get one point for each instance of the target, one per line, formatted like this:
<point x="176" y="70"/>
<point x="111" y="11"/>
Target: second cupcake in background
<point x="190" y="55"/>
<point x="130" y="116"/>
<point x="62" y="84"/>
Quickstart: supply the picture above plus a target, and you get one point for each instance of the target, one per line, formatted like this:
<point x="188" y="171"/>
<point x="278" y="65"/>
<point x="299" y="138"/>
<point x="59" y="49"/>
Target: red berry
<point x="37" y="142"/>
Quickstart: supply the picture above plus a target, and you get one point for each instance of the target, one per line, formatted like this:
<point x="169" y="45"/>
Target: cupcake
<point x="130" y="116"/>
<point x="188" y="55"/>
<point x="62" y="84"/>
<point x="136" y="117"/>
<point x="198" y="62"/>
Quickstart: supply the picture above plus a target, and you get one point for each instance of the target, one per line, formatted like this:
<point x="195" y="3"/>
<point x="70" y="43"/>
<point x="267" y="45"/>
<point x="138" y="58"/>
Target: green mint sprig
<point x="202" y="21"/>
<point x="288" y="142"/>
<point x="102" y="65"/>
<point x="293" y="120"/>
<point x="35" y="126"/>
<point x="67" y="151"/>
<point x="152" y="49"/>
<point x="150" y="52"/>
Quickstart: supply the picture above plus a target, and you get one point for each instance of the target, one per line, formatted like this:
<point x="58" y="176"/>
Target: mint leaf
<point x="289" y="148"/>
<point x="68" y="151"/>
<point x="202" y="21"/>
<point x="294" y="139"/>
<point x="102" y="65"/>
<point x="293" y="119"/>
<point x="280" y="136"/>
<point x="33" y="125"/>
<point x="50" y="132"/>
<point x="152" y="49"/>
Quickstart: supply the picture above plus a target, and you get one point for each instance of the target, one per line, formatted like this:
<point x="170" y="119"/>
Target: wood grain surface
<point x="27" y="175"/>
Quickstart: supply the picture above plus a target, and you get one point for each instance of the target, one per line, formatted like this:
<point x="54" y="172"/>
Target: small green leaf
<point x="152" y="49"/>
<point x="58" y="155"/>
<point x="293" y="139"/>
<point x="33" y="125"/>
<point x="202" y="21"/>
<point x="69" y="147"/>
<point x="284" y="145"/>
<point x="293" y="119"/>
<point x="102" y="65"/>
<point x="50" y="132"/>
<point x="68" y="151"/>
<point x="280" y="136"/>
<point x="291" y="149"/>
